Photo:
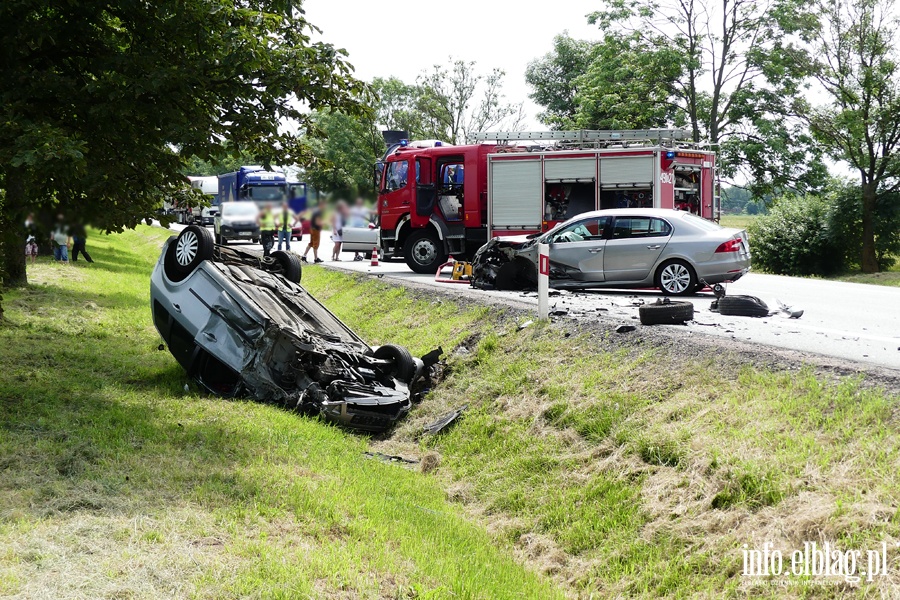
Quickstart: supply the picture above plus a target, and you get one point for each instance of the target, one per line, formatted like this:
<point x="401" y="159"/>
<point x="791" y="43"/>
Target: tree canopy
<point x="102" y="103"/>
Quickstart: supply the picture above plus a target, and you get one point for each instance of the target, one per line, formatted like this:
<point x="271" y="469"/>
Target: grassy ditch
<point x="632" y="471"/>
<point x="116" y="483"/>
<point x="588" y="464"/>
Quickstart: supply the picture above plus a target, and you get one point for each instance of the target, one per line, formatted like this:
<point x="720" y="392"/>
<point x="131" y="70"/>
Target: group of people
<point x="279" y="224"/>
<point x="62" y="238"/>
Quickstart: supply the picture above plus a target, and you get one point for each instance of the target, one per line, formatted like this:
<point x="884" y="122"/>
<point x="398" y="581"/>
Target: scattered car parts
<point x="445" y="421"/>
<point x="791" y="311"/>
<point x="666" y="312"/>
<point x="242" y="326"/>
<point x="742" y="306"/>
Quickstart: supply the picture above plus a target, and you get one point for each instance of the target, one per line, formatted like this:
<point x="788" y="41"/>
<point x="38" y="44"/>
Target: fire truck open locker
<point x="435" y="199"/>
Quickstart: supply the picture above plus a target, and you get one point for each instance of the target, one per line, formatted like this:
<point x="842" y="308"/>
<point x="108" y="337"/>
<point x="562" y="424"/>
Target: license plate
<point x="244" y="233"/>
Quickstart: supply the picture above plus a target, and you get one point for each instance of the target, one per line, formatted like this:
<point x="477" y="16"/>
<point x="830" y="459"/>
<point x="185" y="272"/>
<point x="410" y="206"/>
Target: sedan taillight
<point x="734" y="245"/>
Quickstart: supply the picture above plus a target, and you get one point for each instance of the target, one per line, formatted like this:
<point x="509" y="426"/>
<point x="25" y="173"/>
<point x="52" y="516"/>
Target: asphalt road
<point x="853" y="322"/>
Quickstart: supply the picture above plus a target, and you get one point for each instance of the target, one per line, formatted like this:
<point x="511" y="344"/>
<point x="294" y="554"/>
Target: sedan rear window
<point x="700" y="223"/>
<point x="633" y="227"/>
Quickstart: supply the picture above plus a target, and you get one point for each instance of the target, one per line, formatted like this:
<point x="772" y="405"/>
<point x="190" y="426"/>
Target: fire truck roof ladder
<point x="592" y="137"/>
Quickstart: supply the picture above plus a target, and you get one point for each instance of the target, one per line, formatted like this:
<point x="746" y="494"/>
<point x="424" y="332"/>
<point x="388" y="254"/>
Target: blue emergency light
<point x="437" y="144"/>
<point x="404" y="143"/>
<point x="670" y="154"/>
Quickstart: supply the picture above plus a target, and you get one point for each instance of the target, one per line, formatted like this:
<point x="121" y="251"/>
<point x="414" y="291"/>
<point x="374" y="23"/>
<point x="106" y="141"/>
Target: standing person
<point x="315" y="231"/>
<point x="286" y="221"/>
<point x="267" y="229"/>
<point x="337" y="229"/>
<point x="60" y="240"/>
<point x="31" y="246"/>
<point x="359" y="218"/>
<point x="79" y="239"/>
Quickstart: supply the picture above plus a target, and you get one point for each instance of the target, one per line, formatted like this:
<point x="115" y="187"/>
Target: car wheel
<point x="424" y="252"/>
<point x="255" y="240"/>
<point x="289" y="265"/>
<point x="192" y="246"/>
<point x="666" y="313"/>
<point x="404" y="365"/>
<point x="743" y="306"/>
<point x="676" y="278"/>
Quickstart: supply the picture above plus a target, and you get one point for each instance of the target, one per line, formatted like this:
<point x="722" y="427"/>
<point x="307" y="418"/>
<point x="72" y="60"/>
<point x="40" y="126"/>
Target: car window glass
<point x="239" y="209"/>
<point x="585" y="230"/>
<point x="702" y="223"/>
<point x="397" y="173"/>
<point x="640" y="227"/>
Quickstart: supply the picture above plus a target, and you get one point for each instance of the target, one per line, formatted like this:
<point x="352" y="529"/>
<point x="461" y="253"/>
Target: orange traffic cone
<point x="374" y="262"/>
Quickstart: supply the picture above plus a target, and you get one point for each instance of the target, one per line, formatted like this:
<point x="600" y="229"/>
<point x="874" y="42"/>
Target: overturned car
<point x="241" y="325"/>
<point x="672" y="250"/>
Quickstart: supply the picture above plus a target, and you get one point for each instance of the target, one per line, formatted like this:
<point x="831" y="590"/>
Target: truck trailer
<point x="436" y="199"/>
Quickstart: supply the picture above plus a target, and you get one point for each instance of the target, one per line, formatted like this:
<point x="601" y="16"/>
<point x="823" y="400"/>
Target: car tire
<point x="192" y="246"/>
<point x="255" y="240"/>
<point x="676" y="278"/>
<point x="666" y="313"/>
<point x="289" y="264"/>
<point x="404" y="364"/>
<point x="742" y="306"/>
<point x="424" y="252"/>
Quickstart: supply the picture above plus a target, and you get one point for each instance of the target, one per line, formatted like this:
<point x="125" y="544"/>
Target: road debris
<point x="444" y="421"/>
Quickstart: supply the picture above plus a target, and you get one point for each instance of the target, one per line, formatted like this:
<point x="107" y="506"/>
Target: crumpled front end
<point x="505" y="264"/>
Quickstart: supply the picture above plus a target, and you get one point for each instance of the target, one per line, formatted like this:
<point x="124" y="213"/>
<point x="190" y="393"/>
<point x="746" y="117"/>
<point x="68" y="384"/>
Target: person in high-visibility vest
<point x="267" y="229"/>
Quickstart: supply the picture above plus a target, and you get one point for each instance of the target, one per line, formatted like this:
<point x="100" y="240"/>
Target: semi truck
<point x="436" y="199"/>
<point x="209" y="187"/>
<point x="253" y="183"/>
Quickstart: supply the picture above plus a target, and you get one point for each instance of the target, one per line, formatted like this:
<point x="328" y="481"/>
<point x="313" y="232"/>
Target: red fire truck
<point x="436" y="199"/>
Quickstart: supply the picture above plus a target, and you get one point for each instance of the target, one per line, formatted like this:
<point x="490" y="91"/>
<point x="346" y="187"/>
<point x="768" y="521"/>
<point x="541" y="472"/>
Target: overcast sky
<point x="402" y="39"/>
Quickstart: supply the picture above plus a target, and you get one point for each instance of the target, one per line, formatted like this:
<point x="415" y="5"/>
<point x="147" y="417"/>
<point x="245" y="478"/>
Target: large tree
<point x="728" y="70"/>
<point x="858" y="68"/>
<point x="553" y="76"/>
<point x="458" y="101"/>
<point x="346" y="150"/>
<point x="97" y="96"/>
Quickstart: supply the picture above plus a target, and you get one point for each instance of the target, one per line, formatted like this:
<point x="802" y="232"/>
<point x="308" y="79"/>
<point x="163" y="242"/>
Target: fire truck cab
<point x="436" y="200"/>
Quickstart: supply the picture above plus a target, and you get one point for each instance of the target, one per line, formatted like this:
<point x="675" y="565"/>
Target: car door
<point x="577" y="249"/>
<point x="634" y="247"/>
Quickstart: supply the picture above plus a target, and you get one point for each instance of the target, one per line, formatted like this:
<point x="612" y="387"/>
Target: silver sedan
<point x="672" y="250"/>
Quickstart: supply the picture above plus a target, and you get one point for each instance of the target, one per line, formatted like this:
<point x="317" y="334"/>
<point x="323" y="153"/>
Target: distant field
<point x="738" y="221"/>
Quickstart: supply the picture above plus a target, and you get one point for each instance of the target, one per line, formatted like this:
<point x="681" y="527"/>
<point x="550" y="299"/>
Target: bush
<point x="845" y="225"/>
<point x="794" y="239"/>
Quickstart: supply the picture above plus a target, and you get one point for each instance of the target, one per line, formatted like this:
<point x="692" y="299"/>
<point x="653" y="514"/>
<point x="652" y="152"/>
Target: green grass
<point x="584" y="465"/>
<point x="636" y="473"/>
<point x="737" y="221"/>
<point x="115" y="482"/>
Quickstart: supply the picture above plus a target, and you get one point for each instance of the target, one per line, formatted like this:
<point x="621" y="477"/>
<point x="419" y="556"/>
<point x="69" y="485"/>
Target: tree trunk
<point x="12" y="238"/>
<point x="869" y="260"/>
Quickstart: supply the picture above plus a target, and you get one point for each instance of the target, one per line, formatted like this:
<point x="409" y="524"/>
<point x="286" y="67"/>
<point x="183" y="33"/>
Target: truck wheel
<point x="743" y="306"/>
<point x="676" y="278"/>
<point x="663" y="313"/>
<point x="424" y="252"/>
<point x="289" y="264"/>
<point x="192" y="246"/>
<point x="404" y="365"/>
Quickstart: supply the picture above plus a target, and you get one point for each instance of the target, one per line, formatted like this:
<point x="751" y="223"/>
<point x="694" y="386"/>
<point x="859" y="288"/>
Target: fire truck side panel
<point x="514" y="189"/>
